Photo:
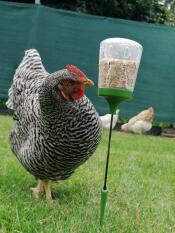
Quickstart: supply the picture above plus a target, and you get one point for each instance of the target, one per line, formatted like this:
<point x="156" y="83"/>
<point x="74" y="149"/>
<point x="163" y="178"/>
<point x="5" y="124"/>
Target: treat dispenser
<point x="119" y="61"/>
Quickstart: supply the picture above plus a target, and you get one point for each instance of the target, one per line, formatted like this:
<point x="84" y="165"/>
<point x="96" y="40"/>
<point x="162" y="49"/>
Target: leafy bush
<point x="150" y="11"/>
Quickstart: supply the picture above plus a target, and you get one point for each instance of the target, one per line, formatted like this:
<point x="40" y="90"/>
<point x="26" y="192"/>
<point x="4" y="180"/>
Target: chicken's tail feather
<point x="29" y="68"/>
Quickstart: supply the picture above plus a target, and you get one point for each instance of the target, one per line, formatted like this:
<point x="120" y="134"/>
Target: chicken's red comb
<point x="75" y="70"/>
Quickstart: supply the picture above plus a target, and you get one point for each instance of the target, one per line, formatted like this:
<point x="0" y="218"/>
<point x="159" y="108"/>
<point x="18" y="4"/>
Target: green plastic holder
<point x="114" y="96"/>
<point x="104" y="195"/>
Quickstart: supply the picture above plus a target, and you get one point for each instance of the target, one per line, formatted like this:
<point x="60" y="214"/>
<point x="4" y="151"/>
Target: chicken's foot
<point x="43" y="185"/>
<point x="38" y="189"/>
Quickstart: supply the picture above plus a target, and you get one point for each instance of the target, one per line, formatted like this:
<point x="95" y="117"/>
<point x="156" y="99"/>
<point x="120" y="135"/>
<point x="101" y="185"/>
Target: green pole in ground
<point x="114" y="97"/>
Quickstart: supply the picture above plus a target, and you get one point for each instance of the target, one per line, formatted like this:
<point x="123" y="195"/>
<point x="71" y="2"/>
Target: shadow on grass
<point x="69" y="192"/>
<point x="18" y="185"/>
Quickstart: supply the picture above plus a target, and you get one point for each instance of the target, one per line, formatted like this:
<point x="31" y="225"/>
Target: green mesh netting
<point x="64" y="37"/>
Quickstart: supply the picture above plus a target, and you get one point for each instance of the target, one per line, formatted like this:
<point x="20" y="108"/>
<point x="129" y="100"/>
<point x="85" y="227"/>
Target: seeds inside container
<point x="117" y="73"/>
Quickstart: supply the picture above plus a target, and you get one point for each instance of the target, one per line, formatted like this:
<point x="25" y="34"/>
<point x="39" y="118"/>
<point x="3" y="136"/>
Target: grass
<point x="141" y="185"/>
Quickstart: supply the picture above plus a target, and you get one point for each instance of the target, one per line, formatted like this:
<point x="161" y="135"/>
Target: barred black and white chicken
<point x="57" y="127"/>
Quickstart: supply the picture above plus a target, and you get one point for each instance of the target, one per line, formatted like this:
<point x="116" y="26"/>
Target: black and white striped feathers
<point x="52" y="136"/>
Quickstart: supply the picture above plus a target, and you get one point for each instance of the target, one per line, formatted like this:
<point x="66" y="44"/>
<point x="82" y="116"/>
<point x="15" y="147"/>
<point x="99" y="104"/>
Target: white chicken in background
<point x="140" y="123"/>
<point x="106" y="120"/>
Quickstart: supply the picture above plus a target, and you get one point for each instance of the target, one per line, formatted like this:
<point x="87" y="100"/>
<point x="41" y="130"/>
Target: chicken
<point x="57" y="127"/>
<point x="140" y="123"/>
<point x="106" y="120"/>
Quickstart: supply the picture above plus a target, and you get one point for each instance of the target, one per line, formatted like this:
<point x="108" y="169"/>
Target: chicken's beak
<point x="88" y="82"/>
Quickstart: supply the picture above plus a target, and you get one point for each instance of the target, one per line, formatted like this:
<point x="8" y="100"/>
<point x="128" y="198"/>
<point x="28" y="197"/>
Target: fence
<point x="65" y="37"/>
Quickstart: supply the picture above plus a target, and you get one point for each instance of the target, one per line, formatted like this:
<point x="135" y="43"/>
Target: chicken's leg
<point x="47" y="190"/>
<point x="38" y="189"/>
<point x="43" y="185"/>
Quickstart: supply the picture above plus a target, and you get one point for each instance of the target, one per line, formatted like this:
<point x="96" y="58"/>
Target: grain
<point x="117" y="73"/>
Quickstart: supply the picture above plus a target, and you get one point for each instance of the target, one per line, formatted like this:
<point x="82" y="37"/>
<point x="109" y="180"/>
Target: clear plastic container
<point x="118" y="63"/>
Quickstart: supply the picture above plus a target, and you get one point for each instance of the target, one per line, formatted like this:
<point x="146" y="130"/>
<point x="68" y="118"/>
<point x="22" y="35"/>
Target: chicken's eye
<point x="68" y="83"/>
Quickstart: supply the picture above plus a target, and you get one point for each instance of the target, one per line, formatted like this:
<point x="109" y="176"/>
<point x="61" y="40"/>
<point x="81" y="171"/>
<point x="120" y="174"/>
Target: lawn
<point x="141" y="184"/>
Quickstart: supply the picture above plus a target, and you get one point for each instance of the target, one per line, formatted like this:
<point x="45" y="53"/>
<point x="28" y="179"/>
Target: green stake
<point x="104" y="191"/>
<point x="114" y="98"/>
